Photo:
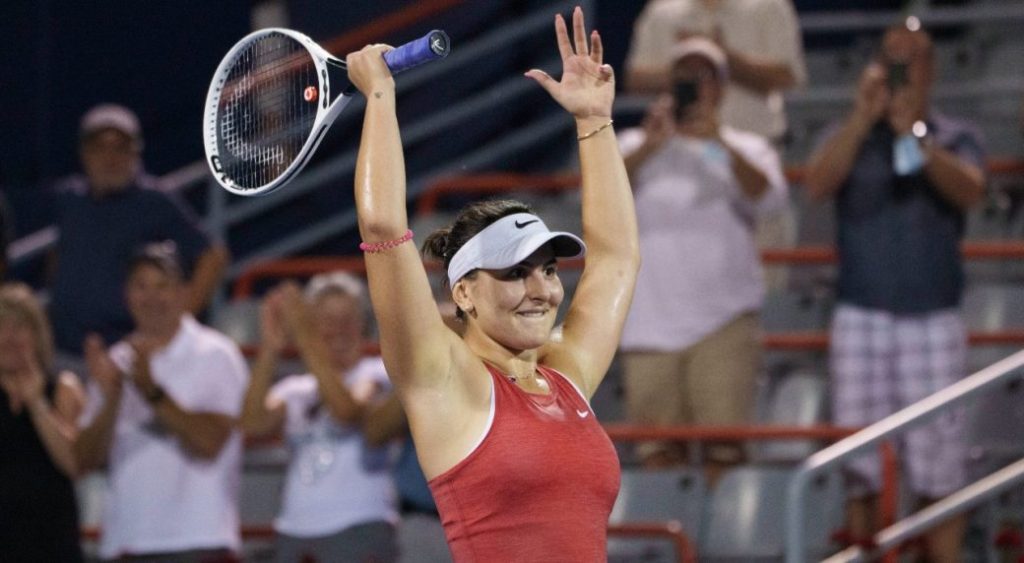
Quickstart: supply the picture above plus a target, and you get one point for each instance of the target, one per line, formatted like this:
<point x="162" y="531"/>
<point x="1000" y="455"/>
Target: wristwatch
<point x="155" y="395"/>
<point x="922" y="133"/>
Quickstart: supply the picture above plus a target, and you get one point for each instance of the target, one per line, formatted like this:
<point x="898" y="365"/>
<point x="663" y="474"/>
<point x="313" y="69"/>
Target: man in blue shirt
<point x="903" y="177"/>
<point x="105" y="215"/>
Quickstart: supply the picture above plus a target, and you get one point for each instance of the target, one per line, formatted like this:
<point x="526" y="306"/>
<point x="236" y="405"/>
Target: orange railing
<point x="795" y="340"/>
<point x="888" y="497"/>
<point x="499" y="182"/>
<point x="672" y="531"/>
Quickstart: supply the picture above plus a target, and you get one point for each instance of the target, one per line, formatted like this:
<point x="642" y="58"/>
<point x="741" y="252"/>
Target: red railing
<point x="795" y="340"/>
<point x="491" y="183"/>
<point x="672" y="531"/>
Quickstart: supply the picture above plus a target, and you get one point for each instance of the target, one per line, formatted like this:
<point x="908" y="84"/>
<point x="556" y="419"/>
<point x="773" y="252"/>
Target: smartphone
<point x="686" y="94"/>
<point x="897" y="75"/>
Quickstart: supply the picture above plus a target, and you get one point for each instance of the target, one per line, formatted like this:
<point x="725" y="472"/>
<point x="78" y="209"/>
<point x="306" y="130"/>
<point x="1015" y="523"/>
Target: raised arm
<point x="54" y="422"/>
<point x="415" y="345"/>
<point x="202" y="433"/>
<point x="92" y="447"/>
<point x="831" y="164"/>
<point x="260" y="415"/>
<point x="342" y="405"/>
<point x="594" y="320"/>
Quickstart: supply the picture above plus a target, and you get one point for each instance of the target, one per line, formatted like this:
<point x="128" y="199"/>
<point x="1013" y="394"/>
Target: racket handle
<point x="434" y="45"/>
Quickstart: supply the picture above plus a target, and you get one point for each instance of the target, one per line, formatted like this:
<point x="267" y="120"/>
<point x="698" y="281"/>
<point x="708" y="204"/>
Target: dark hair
<point x="443" y="243"/>
<point x="160" y="255"/>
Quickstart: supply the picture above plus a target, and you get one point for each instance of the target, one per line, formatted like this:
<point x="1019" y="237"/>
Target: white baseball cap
<point x="507" y="242"/>
<point x="704" y="48"/>
<point x="110" y="116"/>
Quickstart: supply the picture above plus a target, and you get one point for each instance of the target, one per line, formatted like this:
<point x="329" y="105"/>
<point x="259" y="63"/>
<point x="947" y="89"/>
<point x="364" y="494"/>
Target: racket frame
<point x="326" y="111"/>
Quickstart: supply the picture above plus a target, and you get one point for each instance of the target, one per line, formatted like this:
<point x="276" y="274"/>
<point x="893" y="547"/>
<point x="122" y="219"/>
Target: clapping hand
<point x="587" y="87"/>
<point x="141" y="374"/>
<point x="101" y="368"/>
<point x="872" y="94"/>
<point x="272" y="331"/>
<point x="25" y="386"/>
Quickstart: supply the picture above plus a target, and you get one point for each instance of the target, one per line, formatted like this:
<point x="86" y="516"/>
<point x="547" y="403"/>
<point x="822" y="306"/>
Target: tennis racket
<point x="270" y="103"/>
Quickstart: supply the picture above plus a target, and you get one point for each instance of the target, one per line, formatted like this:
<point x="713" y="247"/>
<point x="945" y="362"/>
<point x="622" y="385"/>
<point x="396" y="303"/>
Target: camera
<point x="685" y="92"/>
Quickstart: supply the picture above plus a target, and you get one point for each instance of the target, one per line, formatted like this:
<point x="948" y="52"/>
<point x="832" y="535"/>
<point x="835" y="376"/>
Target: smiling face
<point x="155" y="298"/>
<point x="24" y="330"/>
<point x="515" y="307"/>
<point x="17" y="343"/>
<point x="339" y="318"/>
<point x="110" y="159"/>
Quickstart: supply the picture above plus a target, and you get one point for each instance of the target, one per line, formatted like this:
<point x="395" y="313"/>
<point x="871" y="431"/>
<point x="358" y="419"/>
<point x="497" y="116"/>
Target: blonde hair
<point x="17" y="303"/>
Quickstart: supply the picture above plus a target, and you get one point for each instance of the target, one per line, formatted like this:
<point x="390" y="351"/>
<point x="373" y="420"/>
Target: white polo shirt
<point x="700" y="267"/>
<point x="161" y="498"/>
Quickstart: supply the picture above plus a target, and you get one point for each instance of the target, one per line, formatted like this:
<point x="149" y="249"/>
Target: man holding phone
<point x="692" y="339"/>
<point x="903" y="176"/>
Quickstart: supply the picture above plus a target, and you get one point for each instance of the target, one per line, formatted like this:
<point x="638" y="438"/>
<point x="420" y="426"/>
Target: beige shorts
<point x="713" y="382"/>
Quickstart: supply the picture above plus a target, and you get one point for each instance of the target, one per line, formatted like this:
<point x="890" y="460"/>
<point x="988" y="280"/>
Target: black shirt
<point x="38" y="511"/>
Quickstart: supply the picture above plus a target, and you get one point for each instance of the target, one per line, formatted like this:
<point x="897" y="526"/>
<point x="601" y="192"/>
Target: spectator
<point x="104" y="216"/>
<point x="339" y="500"/>
<point x="764" y="54"/>
<point x="692" y="337"/>
<point x="161" y="417"/>
<point x="38" y="513"/>
<point x="902" y="175"/>
<point x="762" y="44"/>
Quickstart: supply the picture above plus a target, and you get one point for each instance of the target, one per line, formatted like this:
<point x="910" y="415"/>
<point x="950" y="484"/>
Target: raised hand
<point x="587" y="87"/>
<point x="368" y="71"/>
<point x="30" y="381"/>
<point x="141" y="375"/>
<point x="659" y="122"/>
<point x="294" y="309"/>
<point x="272" y="333"/>
<point x="872" y="94"/>
<point x="101" y="368"/>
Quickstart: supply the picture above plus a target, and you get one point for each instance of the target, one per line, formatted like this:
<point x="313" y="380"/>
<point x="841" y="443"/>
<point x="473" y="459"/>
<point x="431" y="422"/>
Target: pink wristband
<point x="373" y="247"/>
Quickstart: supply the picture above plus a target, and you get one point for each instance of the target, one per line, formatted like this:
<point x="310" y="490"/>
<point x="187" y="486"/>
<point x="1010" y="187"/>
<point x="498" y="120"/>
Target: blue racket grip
<point x="434" y="45"/>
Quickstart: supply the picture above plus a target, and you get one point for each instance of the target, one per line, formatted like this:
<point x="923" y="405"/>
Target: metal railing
<point x="884" y="429"/>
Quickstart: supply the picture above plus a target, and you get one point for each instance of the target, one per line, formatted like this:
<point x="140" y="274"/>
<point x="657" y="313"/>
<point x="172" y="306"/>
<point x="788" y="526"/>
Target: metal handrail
<point x="912" y="415"/>
<point x="956" y="503"/>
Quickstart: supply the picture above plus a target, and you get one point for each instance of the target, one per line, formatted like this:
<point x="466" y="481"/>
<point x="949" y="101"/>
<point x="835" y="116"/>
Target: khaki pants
<point x="712" y="382"/>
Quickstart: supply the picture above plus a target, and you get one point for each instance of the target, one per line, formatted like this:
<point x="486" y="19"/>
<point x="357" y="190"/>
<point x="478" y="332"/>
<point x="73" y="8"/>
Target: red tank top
<point x="539" y="487"/>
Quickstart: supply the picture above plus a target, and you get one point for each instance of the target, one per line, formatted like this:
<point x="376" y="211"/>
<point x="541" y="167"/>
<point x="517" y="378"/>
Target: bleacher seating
<point x="657" y="496"/>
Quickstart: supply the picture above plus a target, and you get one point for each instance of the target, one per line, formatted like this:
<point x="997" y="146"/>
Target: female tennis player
<point x="517" y="463"/>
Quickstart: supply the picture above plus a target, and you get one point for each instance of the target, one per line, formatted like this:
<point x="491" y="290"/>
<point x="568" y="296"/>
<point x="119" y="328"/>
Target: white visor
<point x="507" y="242"/>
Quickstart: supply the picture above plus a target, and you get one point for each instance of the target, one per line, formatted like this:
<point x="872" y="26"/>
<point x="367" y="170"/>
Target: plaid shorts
<point x="881" y="363"/>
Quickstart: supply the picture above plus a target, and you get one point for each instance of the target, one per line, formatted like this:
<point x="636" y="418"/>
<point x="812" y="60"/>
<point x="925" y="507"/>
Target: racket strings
<point x="266" y="110"/>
